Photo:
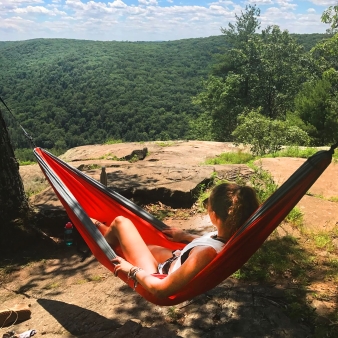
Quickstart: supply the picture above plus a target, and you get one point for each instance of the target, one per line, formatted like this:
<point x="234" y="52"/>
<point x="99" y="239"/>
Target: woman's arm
<point x="199" y="258"/>
<point x="179" y="235"/>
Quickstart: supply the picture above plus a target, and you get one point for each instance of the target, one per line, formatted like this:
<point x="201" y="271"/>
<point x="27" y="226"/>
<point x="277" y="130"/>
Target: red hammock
<point x="83" y="197"/>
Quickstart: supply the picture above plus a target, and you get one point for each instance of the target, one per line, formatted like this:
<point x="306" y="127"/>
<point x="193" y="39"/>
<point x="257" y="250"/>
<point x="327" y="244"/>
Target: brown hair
<point x="233" y="204"/>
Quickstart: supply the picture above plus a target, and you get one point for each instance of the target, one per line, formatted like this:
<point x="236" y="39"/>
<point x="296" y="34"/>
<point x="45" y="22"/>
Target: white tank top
<point x="205" y="240"/>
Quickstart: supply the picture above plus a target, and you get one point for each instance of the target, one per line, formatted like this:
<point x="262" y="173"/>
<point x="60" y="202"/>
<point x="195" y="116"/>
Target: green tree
<point x="200" y="128"/>
<point x="265" y="135"/>
<point x="283" y="67"/>
<point x="246" y="25"/>
<point x="326" y="53"/>
<point x="330" y="16"/>
<point x="316" y="105"/>
<point x="263" y="71"/>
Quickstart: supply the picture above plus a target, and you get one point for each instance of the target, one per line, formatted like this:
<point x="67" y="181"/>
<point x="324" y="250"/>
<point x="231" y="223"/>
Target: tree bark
<point x="13" y="201"/>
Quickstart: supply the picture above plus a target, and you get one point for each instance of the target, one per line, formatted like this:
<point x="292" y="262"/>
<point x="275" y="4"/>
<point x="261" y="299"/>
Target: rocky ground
<point x="71" y="295"/>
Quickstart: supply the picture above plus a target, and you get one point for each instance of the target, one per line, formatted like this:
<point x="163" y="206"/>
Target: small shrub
<point x="263" y="183"/>
<point x="265" y="135"/>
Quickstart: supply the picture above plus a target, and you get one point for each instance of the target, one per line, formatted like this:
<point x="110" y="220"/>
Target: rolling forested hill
<point x="67" y="93"/>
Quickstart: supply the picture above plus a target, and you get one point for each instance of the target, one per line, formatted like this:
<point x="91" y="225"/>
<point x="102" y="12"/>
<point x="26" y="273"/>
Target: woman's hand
<point x="121" y="265"/>
<point x="178" y="235"/>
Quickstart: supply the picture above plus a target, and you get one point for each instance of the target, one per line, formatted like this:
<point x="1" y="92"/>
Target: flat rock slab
<point x="281" y="168"/>
<point x="183" y="152"/>
<point x="172" y="173"/>
<point x="320" y="214"/>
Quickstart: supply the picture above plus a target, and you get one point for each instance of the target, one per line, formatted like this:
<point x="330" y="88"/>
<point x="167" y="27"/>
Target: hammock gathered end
<point x="84" y="198"/>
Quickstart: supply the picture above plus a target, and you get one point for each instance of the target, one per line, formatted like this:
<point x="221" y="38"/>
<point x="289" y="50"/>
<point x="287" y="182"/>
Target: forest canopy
<point x="68" y="93"/>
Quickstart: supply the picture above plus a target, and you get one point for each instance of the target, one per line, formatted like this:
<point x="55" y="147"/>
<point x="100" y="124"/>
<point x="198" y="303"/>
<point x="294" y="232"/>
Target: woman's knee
<point x="121" y="222"/>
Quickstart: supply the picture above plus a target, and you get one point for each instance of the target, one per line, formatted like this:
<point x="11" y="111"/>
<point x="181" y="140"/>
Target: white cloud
<point x="20" y="2"/>
<point x="38" y="10"/>
<point x="10" y="5"/>
<point x="294" y="23"/>
<point x="286" y="4"/>
<point x="16" y="24"/>
<point x="274" y="14"/>
<point x="117" y="4"/>
<point x="147" y="20"/>
<point x="325" y="3"/>
<point x="311" y="10"/>
<point x="260" y="2"/>
<point x="147" y="2"/>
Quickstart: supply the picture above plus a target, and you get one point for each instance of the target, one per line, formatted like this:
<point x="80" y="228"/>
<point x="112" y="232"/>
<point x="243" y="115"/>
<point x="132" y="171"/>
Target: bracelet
<point x="132" y="274"/>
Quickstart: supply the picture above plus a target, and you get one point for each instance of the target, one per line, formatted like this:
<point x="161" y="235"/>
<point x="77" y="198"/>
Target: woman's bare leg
<point x="122" y="232"/>
<point x="160" y="253"/>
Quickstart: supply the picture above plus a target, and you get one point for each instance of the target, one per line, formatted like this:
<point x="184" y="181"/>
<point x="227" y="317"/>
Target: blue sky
<point x="148" y="20"/>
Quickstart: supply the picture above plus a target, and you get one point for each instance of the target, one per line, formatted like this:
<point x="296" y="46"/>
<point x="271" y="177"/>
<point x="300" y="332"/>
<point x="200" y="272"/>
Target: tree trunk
<point x="13" y="201"/>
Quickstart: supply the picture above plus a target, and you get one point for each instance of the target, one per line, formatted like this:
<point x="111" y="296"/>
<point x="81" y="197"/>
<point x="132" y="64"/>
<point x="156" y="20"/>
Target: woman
<point x="229" y="206"/>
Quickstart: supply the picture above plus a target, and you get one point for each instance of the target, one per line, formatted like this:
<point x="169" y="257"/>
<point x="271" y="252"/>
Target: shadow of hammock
<point x="77" y="320"/>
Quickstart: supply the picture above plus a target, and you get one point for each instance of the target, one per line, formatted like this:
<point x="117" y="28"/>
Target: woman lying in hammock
<point x="229" y="206"/>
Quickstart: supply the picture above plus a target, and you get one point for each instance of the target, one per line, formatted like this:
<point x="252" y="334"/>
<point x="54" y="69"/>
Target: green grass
<point x="295" y="217"/>
<point x="165" y="143"/>
<point x="109" y="156"/>
<point x="331" y="199"/>
<point x="95" y="278"/>
<point x="173" y="314"/>
<point x="241" y="157"/>
<point x="113" y="141"/>
<point x="52" y="286"/>
<point x="26" y="162"/>
<point x="35" y="186"/>
<point x="335" y="156"/>
<point x="93" y="166"/>
<point x="332" y="274"/>
<point x="134" y="159"/>
<point x="277" y="258"/>
<point x="231" y="158"/>
<point x="323" y="240"/>
<point x="294" y="152"/>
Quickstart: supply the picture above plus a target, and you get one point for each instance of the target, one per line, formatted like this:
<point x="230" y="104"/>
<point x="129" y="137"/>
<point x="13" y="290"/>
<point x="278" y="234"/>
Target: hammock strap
<point x="30" y="138"/>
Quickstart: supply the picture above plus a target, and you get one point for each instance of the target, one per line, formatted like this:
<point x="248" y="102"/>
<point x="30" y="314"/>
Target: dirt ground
<point x="71" y="295"/>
